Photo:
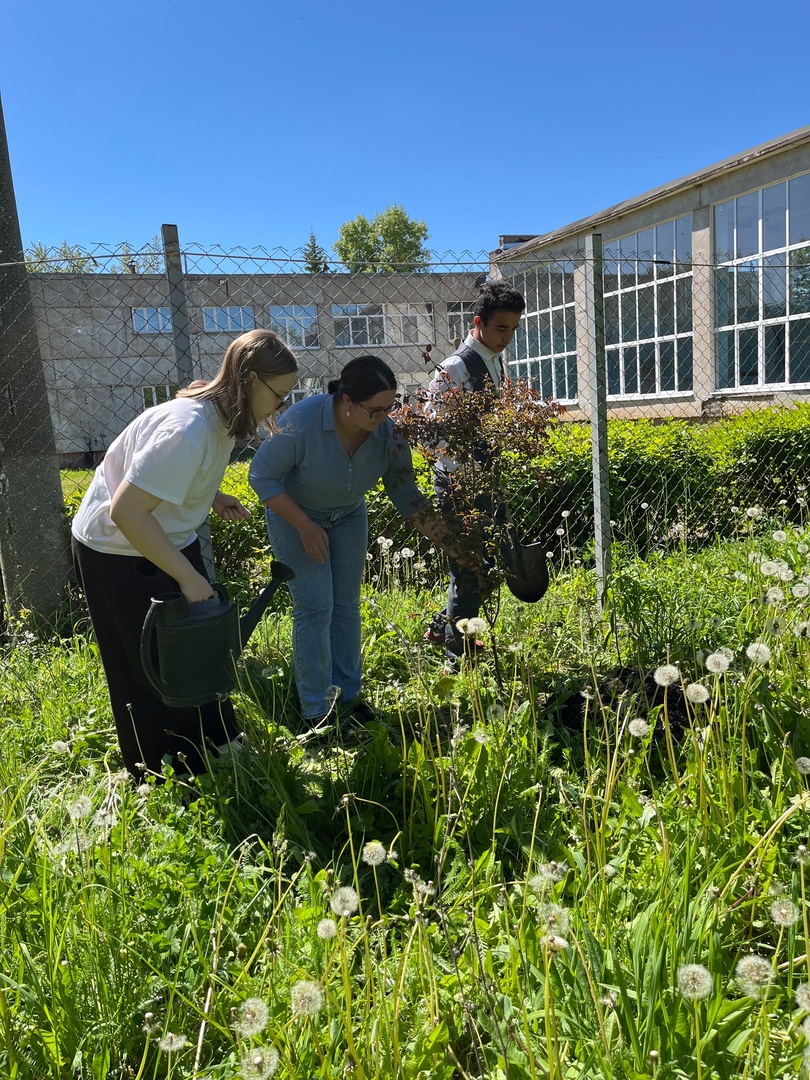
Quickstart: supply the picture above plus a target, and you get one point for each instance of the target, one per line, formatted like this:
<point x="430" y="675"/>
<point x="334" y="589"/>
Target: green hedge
<point x="690" y="476"/>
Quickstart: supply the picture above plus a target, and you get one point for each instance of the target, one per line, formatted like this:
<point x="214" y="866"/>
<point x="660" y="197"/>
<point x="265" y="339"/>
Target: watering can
<point x="189" y="651"/>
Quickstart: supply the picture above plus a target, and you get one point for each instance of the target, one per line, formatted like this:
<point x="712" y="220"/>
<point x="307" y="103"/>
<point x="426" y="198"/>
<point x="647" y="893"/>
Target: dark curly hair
<point x="497" y="296"/>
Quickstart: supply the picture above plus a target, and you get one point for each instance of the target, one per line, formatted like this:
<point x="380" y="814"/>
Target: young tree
<point x="315" y="259"/>
<point x="390" y="243"/>
<point x="147" y="260"/>
<point x="65" y="259"/>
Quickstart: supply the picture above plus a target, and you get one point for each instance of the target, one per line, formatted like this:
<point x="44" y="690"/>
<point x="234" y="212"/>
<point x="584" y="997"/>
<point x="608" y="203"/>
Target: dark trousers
<point x="468" y="587"/>
<point x="119" y="590"/>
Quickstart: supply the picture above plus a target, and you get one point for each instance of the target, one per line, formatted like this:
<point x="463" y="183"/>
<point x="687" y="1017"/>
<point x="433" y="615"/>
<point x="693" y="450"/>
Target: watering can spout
<point x="279" y="572"/>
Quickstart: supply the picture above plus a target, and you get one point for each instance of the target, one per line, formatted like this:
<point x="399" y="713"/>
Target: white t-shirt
<point x="178" y="452"/>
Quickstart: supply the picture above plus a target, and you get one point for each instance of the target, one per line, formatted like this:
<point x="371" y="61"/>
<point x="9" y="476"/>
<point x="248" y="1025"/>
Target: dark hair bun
<point x="332" y="386"/>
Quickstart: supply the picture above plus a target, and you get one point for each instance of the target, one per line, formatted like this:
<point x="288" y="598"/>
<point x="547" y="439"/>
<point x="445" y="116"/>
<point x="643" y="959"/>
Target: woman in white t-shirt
<point x="134" y="536"/>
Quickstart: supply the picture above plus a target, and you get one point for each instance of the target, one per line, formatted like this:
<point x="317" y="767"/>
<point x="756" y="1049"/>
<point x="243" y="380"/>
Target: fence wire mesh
<point x="706" y="365"/>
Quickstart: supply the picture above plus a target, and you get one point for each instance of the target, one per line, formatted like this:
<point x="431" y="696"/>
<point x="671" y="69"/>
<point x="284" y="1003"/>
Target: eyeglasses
<point x="282" y="401"/>
<point x="382" y="410"/>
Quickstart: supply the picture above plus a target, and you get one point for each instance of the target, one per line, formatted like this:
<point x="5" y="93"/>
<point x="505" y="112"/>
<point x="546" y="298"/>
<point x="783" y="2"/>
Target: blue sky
<point x="247" y="123"/>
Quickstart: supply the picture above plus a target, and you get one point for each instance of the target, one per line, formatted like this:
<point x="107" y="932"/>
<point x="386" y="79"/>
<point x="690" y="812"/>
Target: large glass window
<point x="543" y="351"/>
<point x="219" y="319"/>
<point x="648" y="310"/>
<point x="151" y="320"/>
<point x="297" y="325"/>
<point x="762" y="286"/>
<point x="459" y="318"/>
<point x="382" y="324"/>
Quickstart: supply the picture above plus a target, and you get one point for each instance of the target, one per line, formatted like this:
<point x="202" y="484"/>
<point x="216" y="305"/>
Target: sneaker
<point x="434" y="635"/>
<point x="361" y="711"/>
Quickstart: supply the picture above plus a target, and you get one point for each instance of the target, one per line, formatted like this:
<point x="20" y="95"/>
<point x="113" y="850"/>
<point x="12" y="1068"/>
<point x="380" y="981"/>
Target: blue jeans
<point x="326" y="605"/>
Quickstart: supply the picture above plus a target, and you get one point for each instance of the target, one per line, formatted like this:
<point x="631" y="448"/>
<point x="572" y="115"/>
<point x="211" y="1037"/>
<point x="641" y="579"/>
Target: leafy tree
<point x="390" y="243"/>
<point x="315" y="259"/>
<point x="148" y="260"/>
<point x="65" y="259"/>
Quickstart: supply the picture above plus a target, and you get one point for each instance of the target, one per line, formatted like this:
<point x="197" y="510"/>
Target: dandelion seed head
<point x="344" y="901"/>
<point x="740" y="576"/>
<point x="170" y="1042"/>
<point x="565" y="513"/>
<point x="786" y="575"/>
<point x="80" y="808"/>
<point x="758" y="653"/>
<point x="259" y="1064"/>
<point x="753" y="512"/>
<point x="609" y="871"/>
<point x="462" y="626"/>
<point x="476" y="627"/>
<point x="800" y="591"/>
<point x="802" y="549"/>
<point x="374" y="853"/>
<point x="556" y="943"/>
<point x="802" y="629"/>
<point x="695" y="981"/>
<point x="253" y="1017"/>
<point x="803" y="765"/>
<point x="697" y="693"/>
<point x="638" y="728"/>
<point x="327" y="928"/>
<point x="774" y="595"/>
<point x="407" y="553"/>
<point x="481" y="735"/>
<point x="306" y="998"/>
<point x="60" y="747"/>
<point x="554" y="917"/>
<point x="717" y="663"/>
<point x="784" y="912"/>
<point x="802" y="996"/>
<point x="768" y="568"/>
<point x="666" y="675"/>
<point x="548" y="874"/>
<point x="775" y="626"/>
<point x="754" y="557"/>
<point x="779" y="535"/>
<point x="754" y="974"/>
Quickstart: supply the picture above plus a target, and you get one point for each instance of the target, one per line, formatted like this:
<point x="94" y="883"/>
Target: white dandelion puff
<point x="638" y="728"/>
<point x="555" y="943"/>
<point x="697" y="693"/>
<point x="800" y="591"/>
<point x="754" y="974"/>
<point x="768" y="568"/>
<point x="259" y="1064"/>
<point x="253" y="1017"/>
<point x="695" y="981"/>
<point x="374" y="853"/>
<point x="803" y="765"/>
<point x="717" y="663"/>
<point x="775" y="626"/>
<point x="171" y="1042"/>
<point x="666" y="675"/>
<point x="802" y="997"/>
<point x="80" y="808"/>
<point x="60" y="747"/>
<point x="306" y="998"/>
<point x="344" y="901"/>
<point x="802" y="629"/>
<point x="554" y="917"/>
<point x="780" y="536"/>
<point x="407" y="553"/>
<point x="758" y="653"/>
<point x="462" y="626"/>
<point x="784" y="912"/>
<point x="774" y="595"/>
<point x="476" y="627"/>
<point x="753" y="512"/>
<point x="802" y="549"/>
<point x="327" y="928"/>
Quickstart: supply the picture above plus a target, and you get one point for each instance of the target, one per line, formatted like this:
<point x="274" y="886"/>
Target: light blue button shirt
<point x="307" y="460"/>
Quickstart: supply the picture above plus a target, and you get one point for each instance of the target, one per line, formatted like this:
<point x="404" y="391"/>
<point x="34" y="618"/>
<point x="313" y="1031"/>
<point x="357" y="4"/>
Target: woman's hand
<point x="315" y="540"/>
<point x="195" y="587"/>
<point x="229" y="508"/>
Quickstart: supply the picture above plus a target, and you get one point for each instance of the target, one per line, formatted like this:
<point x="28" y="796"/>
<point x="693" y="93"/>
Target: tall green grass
<point x="508" y="881"/>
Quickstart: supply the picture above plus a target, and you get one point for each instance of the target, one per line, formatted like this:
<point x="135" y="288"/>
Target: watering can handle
<point x="147" y="638"/>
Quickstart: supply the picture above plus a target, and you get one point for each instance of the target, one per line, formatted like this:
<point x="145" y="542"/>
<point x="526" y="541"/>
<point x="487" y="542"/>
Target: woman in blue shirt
<point x="313" y="475"/>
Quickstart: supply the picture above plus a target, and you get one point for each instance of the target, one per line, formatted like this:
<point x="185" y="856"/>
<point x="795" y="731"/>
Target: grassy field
<point x="584" y="857"/>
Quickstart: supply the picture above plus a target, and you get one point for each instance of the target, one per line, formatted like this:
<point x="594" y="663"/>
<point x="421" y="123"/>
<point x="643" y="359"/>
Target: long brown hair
<point x="261" y="351"/>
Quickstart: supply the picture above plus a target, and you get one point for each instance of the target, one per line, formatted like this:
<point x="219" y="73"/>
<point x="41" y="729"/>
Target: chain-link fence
<point x="683" y="378"/>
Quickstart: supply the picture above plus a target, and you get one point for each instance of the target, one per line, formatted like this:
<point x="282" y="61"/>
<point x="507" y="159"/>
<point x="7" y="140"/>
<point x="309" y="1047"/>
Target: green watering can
<point x="189" y="651"/>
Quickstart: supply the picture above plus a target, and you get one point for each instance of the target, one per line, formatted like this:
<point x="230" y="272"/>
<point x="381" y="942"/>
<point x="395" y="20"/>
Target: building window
<point x="543" y="351"/>
<point x="219" y="319"/>
<point x="152" y="320"/>
<point x="358" y="324"/>
<point x="459" y="318"/>
<point x="298" y="326"/>
<point x="648" y="311"/>
<point x="406" y="324"/>
<point x="762" y="286"/>
<point x="156" y="395"/>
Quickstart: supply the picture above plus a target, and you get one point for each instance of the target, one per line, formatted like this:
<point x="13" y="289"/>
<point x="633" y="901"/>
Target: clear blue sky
<point x="251" y="121"/>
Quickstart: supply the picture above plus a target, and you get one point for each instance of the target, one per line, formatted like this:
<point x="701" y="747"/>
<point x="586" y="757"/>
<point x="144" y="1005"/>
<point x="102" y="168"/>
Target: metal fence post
<point x="181" y="339"/>
<point x="595" y="315"/>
